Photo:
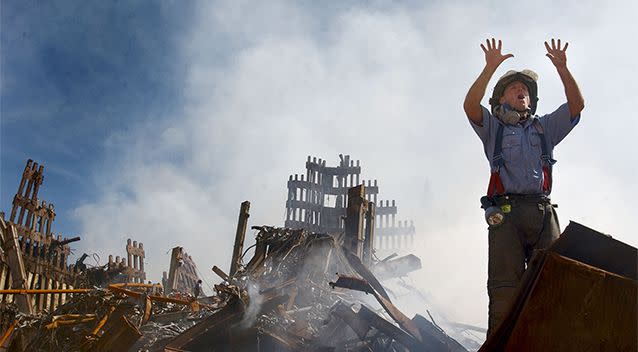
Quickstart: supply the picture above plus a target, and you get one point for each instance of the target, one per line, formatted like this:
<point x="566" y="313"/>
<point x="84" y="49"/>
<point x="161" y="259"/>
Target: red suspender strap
<point x="547" y="180"/>
<point x="496" y="185"/>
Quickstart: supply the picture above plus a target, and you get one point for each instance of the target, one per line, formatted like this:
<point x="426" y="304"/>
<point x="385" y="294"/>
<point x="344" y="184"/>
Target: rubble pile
<point x="300" y="291"/>
<point x="89" y="320"/>
<point x="284" y="299"/>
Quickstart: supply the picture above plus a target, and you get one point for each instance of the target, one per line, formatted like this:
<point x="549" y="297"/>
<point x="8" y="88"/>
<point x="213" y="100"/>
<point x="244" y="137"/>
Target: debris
<point x="240" y="235"/>
<point x="182" y="274"/>
<point x="578" y="295"/>
<point x="317" y="202"/>
<point x="287" y="297"/>
<point x="120" y="337"/>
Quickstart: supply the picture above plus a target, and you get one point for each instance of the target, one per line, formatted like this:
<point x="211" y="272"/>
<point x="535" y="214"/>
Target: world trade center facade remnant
<point x="317" y="202"/>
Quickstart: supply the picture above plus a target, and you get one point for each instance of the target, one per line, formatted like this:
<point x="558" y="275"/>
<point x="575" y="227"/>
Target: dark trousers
<point x="528" y="226"/>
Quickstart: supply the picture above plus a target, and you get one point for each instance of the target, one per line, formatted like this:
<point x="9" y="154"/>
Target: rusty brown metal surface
<point x="119" y="338"/>
<point x="44" y="255"/>
<point x="7" y="334"/>
<point x="130" y="293"/>
<point x="208" y="331"/>
<point x="148" y="309"/>
<point x="355" y="220"/>
<point x="42" y="292"/>
<point x="568" y="305"/>
<point x="70" y="319"/>
<point x="591" y="247"/>
<point x="280" y="300"/>
<point x="102" y="321"/>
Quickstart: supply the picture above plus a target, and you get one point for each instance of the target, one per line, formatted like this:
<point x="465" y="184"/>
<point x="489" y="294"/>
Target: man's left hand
<point x="556" y="54"/>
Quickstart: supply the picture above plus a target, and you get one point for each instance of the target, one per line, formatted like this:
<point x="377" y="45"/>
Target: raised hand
<point x="556" y="54"/>
<point x="493" y="56"/>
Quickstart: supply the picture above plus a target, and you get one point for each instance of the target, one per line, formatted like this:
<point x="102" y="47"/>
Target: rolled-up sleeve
<point x="558" y="124"/>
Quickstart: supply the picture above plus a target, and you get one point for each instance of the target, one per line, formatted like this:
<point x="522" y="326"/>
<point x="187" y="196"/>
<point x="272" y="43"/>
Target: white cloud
<point x="385" y="87"/>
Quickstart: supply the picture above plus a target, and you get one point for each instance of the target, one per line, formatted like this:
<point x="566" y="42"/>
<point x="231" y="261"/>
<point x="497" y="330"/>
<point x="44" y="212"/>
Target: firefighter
<point x="519" y="147"/>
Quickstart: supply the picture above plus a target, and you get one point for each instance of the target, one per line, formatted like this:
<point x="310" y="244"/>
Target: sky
<point x="155" y="120"/>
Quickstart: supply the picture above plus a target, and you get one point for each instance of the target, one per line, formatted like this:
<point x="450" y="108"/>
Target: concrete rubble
<point x="283" y="299"/>
<point x="302" y="289"/>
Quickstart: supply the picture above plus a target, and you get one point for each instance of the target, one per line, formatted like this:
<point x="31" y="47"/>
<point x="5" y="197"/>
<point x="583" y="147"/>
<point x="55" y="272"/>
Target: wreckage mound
<point x="94" y="321"/>
<point x="300" y="291"/>
<point x="282" y="300"/>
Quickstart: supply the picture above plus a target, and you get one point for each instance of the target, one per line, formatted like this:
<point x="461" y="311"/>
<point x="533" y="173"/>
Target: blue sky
<point x="72" y="74"/>
<point x="155" y="120"/>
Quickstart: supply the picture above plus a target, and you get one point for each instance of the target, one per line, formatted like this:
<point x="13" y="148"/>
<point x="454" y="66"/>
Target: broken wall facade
<point x="317" y="202"/>
<point x="32" y="256"/>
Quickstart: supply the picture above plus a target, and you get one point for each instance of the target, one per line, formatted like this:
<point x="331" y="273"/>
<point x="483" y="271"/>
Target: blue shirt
<point x="522" y="172"/>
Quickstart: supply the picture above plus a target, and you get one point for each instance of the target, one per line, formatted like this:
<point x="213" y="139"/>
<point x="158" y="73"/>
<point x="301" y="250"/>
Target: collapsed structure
<point x="281" y="299"/>
<point x="182" y="273"/>
<point x="301" y="290"/>
<point x="34" y="258"/>
<point x="317" y="203"/>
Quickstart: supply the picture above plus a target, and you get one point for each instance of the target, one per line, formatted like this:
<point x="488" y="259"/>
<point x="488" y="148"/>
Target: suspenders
<point x="495" y="186"/>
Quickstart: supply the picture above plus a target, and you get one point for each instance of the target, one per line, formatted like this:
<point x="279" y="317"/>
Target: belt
<point x="522" y="198"/>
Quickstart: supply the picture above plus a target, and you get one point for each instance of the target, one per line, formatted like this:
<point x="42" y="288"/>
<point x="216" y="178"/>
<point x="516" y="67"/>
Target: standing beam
<point x="240" y="235"/>
<point x="368" y="242"/>
<point x="16" y="265"/>
<point x="355" y="217"/>
<point x="176" y="258"/>
<point x="17" y="200"/>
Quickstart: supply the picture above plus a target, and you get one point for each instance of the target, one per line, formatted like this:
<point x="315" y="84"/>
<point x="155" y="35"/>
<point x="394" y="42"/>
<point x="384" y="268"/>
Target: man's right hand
<point x="493" y="56"/>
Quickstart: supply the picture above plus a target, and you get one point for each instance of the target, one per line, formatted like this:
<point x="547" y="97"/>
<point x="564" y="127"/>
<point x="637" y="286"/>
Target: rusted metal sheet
<point x="42" y="292"/>
<point x="120" y="337"/>
<point x="120" y="289"/>
<point x="570" y="306"/>
<point x="209" y="330"/>
<point x="70" y="319"/>
<point x="591" y="247"/>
